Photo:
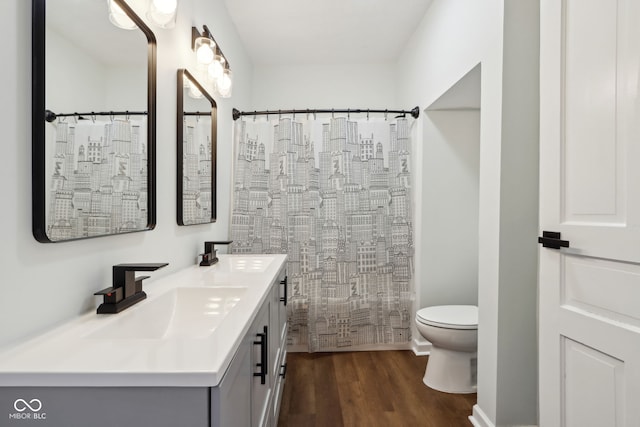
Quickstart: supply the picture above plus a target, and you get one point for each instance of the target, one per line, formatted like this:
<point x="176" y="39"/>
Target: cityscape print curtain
<point x="98" y="178"/>
<point x="196" y="177"/>
<point x="335" y="195"/>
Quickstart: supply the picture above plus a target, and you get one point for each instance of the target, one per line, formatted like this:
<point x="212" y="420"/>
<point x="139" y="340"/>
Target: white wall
<point x="96" y="85"/>
<point x="500" y="35"/>
<point x="75" y="71"/>
<point x="517" y="327"/>
<point x="122" y="86"/>
<point x="452" y="39"/>
<point x="46" y="284"/>
<point x="449" y="208"/>
<point x="324" y="86"/>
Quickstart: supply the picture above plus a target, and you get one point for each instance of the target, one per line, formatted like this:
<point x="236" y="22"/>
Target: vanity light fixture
<point x="216" y="68"/>
<point x="209" y="54"/>
<point x="225" y="83"/>
<point x="119" y="17"/>
<point x="163" y="12"/>
<point x="204" y="50"/>
<point x="203" y="45"/>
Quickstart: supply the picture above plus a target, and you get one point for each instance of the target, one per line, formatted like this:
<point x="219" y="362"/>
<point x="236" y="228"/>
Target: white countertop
<point x="82" y="353"/>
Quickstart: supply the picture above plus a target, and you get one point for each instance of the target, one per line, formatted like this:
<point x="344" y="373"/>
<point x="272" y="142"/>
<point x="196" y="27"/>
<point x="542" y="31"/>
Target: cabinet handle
<point x="284" y="282"/>
<point x="263" y="365"/>
<point x="283" y="371"/>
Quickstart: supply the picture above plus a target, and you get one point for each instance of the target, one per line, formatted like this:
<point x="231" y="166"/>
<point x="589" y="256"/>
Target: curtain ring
<point x="111" y="116"/>
<point x="332" y="114"/>
<point x="127" y="115"/>
<point x="367" y="115"/>
<point x="348" y="113"/>
<point x="93" y="117"/>
<point x="386" y="112"/>
<point x="255" y="113"/>
<point x="279" y="115"/>
<point x="197" y="116"/>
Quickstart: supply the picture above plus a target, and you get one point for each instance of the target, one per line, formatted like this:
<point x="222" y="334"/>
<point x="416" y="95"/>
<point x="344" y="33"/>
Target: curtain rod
<point x="415" y="112"/>
<point x="197" y="113"/>
<point x="50" y="116"/>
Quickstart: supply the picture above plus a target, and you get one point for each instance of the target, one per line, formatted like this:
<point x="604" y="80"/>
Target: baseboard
<point x="303" y="348"/>
<point x="420" y="346"/>
<point x="479" y="418"/>
<point x="298" y="348"/>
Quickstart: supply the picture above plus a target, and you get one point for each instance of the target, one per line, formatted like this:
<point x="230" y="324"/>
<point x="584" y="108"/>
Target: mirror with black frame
<point x="93" y="120"/>
<point x="196" y="139"/>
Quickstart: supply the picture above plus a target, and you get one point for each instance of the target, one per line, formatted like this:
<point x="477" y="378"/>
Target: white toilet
<point x="453" y="332"/>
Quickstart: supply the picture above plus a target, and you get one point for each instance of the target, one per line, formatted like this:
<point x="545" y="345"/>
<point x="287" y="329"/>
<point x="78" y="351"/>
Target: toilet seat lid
<point x="449" y="316"/>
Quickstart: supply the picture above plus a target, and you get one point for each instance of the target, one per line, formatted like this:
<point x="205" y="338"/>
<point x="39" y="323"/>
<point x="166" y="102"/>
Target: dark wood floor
<point x="366" y="389"/>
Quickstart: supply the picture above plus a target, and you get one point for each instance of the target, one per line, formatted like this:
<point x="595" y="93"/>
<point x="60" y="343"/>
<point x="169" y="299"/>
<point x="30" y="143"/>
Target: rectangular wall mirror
<point x="93" y="120"/>
<point x="197" y="140"/>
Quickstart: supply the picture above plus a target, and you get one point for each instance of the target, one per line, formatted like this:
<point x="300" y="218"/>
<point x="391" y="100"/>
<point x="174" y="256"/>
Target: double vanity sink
<point x="167" y="360"/>
<point x="187" y="313"/>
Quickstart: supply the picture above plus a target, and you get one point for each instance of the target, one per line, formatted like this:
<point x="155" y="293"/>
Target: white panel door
<point x="589" y="296"/>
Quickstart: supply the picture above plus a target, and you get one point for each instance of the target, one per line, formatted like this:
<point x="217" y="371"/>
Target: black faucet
<point x="209" y="256"/>
<point x="127" y="288"/>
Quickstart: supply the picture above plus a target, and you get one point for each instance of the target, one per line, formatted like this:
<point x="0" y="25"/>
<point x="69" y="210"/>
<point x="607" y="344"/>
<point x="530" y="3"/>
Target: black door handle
<point x="551" y="240"/>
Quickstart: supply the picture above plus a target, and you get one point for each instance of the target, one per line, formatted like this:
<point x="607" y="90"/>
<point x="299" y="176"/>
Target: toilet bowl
<point x="453" y="332"/>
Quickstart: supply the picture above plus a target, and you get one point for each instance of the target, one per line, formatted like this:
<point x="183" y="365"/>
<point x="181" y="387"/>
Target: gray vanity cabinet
<point x="105" y="406"/>
<point x="266" y="397"/>
<point x="230" y="401"/>
<point x="261" y="385"/>
<point x="278" y="335"/>
<point x="241" y="399"/>
<point x="244" y="398"/>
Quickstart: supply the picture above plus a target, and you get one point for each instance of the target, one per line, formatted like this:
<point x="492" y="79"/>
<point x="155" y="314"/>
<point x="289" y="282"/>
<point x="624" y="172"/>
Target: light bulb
<point x="163" y="12"/>
<point x="119" y="18"/>
<point x="216" y="68"/>
<point x="204" y="55"/>
<point x="225" y="84"/>
<point x="204" y="50"/>
<point x="165" y="6"/>
<point x="226" y="93"/>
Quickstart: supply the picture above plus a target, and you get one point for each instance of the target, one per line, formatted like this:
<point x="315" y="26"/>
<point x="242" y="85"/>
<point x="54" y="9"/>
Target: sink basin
<point x="243" y="264"/>
<point x="180" y="312"/>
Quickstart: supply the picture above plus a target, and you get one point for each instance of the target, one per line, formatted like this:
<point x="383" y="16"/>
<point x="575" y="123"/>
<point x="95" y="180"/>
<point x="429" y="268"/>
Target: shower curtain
<point x="97" y="176"/>
<point x="335" y="195"/>
<point x="196" y="176"/>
